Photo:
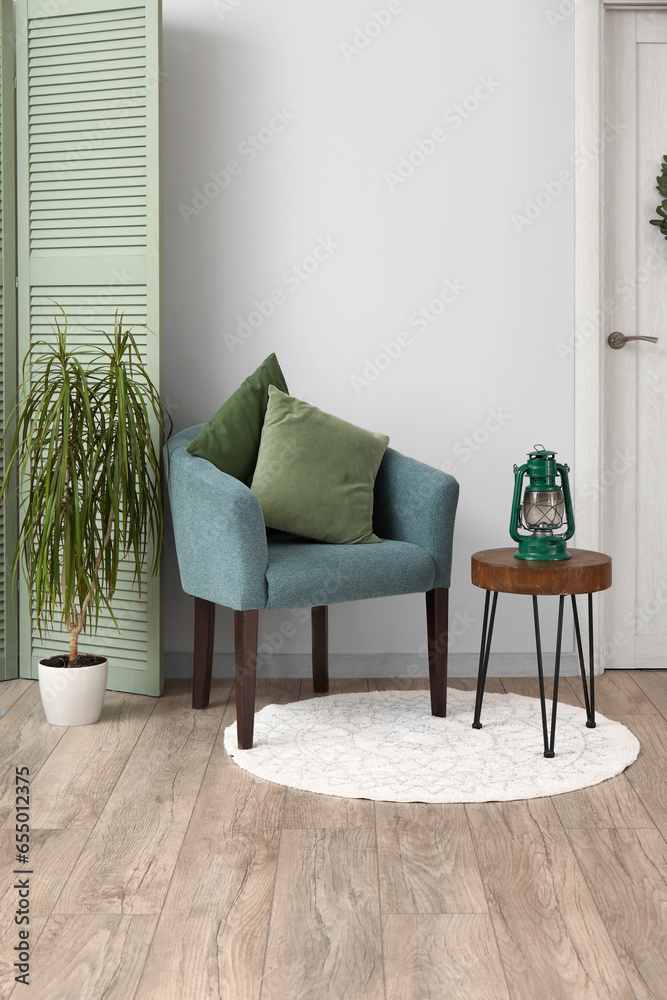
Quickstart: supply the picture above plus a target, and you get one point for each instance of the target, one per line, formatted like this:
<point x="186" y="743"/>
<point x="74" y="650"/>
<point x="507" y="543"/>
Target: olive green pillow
<point x="315" y="473"/>
<point x="230" y="439"/>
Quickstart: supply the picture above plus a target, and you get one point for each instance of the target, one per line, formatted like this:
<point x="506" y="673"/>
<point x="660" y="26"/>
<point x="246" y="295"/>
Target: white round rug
<point x="387" y="745"/>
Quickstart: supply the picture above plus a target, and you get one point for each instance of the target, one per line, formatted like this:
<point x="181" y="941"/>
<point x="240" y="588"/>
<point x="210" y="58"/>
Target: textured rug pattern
<point x="386" y="745"/>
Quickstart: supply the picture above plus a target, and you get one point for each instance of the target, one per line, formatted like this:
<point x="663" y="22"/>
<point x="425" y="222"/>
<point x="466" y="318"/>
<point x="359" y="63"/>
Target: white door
<point x="633" y="485"/>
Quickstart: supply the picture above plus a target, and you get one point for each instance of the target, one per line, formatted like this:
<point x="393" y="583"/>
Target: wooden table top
<point x="584" y="573"/>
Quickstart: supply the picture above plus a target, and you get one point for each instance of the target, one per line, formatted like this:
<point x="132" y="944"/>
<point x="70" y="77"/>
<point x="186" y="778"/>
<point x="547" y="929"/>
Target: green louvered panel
<point x="88" y="173"/>
<point x="89" y="235"/>
<point x="125" y="651"/>
<point x="3" y="548"/>
<point x="3" y="609"/>
<point x="89" y="310"/>
<point x="8" y="597"/>
<point x="3" y="334"/>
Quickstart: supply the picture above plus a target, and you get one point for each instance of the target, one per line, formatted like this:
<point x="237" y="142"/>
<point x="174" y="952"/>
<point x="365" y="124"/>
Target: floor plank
<point x="337" y="685"/>
<point x="653" y="683"/>
<point x="223" y="885"/>
<point x="311" y="811"/>
<point x="72" y="786"/>
<point x="53" y="854"/>
<point x="11" y="691"/>
<point x="493" y="684"/>
<point x="324" y="939"/>
<point x="612" y="804"/>
<point x="627" y="873"/>
<point x="648" y="774"/>
<point x="617" y="693"/>
<point x="552" y="940"/>
<point x="129" y="859"/>
<point x="82" y="958"/>
<point x="426" y="859"/>
<point x="433" y="957"/>
<point x="529" y="687"/>
<point x="27" y="741"/>
<point x="398" y="684"/>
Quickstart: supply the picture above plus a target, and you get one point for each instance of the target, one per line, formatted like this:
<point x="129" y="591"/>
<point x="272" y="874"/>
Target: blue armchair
<point x="226" y="556"/>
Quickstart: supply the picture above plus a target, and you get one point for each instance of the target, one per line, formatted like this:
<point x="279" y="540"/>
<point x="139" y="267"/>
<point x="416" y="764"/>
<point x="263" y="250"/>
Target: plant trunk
<point x="75" y="630"/>
<point x="74" y="645"/>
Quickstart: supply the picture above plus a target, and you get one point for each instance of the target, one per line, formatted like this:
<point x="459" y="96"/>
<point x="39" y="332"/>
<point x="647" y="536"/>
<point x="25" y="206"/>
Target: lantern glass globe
<point x="543" y="509"/>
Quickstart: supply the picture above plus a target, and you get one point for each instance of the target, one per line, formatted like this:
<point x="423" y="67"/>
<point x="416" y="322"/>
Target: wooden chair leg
<point x="245" y="648"/>
<point x="320" y="634"/>
<point x="437" y="616"/>
<point x="203" y="652"/>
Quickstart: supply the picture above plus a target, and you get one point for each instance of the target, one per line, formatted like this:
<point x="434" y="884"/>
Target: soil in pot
<point x="83" y="660"/>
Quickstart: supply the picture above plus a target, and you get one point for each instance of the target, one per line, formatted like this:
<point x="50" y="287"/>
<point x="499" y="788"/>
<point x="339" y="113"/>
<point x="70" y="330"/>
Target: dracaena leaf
<point x="84" y="462"/>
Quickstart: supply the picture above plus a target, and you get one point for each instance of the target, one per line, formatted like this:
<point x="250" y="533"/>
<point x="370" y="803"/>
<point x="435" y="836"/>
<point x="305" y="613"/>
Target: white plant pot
<point x="72" y="696"/>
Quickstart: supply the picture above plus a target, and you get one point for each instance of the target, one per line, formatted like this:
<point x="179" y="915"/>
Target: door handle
<point x="619" y="340"/>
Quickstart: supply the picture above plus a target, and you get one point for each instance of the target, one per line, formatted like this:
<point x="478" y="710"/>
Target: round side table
<point x="497" y="572"/>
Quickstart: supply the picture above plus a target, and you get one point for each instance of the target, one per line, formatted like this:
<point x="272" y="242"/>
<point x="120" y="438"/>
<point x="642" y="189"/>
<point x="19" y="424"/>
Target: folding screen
<point x="8" y="598"/>
<point x="88" y="204"/>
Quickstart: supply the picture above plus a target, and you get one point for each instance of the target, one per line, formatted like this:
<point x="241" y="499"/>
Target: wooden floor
<point x="162" y="871"/>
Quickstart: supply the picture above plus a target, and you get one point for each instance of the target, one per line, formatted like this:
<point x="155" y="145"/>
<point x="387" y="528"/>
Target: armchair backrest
<point x="417" y="503"/>
<point x="218" y="528"/>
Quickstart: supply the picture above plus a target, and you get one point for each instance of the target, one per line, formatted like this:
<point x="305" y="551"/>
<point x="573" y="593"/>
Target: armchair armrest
<point x="219" y="530"/>
<point x="416" y="503"/>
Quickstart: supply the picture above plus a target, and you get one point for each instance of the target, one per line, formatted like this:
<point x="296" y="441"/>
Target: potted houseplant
<point x="82" y="454"/>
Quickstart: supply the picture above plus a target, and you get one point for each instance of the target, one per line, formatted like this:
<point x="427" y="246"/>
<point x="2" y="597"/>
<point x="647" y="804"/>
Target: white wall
<point x="348" y="115"/>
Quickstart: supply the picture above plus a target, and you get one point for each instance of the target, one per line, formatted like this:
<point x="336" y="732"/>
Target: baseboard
<point x="375" y="665"/>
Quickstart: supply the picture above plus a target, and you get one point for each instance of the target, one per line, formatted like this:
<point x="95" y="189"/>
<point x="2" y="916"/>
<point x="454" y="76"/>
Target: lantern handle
<point x="565" y="486"/>
<point x="515" y="517"/>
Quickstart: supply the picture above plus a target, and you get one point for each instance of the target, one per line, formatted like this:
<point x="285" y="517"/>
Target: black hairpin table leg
<point x="484" y="651"/>
<point x="589" y="699"/>
<point x="589" y="688"/>
<point x="548" y="740"/>
<point x="499" y="571"/>
<point x="554" y="697"/>
<point x="548" y="728"/>
<point x="591" y="722"/>
<point x="540" y="674"/>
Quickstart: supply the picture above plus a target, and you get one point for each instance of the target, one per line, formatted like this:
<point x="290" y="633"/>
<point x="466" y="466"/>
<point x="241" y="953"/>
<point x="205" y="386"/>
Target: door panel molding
<point x="589" y="320"/>
<point x="633" y="5"/>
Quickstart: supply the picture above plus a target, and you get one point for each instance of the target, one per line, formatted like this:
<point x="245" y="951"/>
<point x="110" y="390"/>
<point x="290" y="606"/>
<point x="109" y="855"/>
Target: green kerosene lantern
<point x="546" y="508"/>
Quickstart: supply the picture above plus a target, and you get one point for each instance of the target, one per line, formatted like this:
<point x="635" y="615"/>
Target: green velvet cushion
<point x="231" y="439"/>
<point x="315" y="473"/>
